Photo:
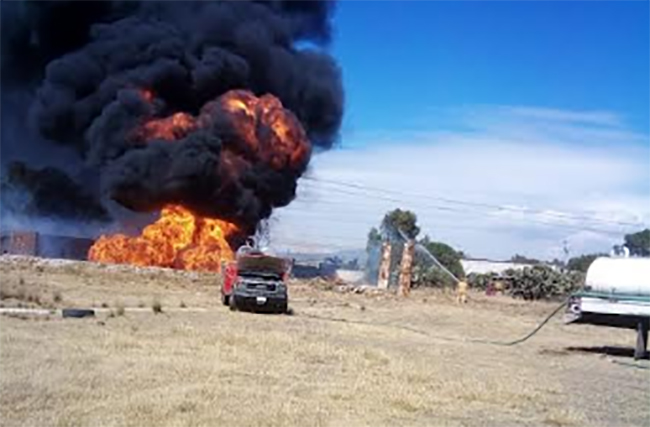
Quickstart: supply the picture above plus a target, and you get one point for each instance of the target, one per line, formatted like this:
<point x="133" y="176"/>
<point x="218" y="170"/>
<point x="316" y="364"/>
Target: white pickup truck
<point x="616" y="294"/>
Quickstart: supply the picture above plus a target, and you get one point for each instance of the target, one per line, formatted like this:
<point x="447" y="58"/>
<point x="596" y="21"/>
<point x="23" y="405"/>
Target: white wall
<point x="480" y="266"/>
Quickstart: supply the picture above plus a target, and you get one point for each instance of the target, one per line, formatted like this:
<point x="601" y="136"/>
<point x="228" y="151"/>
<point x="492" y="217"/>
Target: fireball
<point x="261" y="132"/>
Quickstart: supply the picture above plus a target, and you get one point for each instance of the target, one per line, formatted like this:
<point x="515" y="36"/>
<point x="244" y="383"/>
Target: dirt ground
<point x="342" y="359"/>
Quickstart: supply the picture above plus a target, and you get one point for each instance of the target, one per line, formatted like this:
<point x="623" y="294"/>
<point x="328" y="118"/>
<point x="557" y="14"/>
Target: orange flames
<point x="146" y="94"/>
<point x="179" y="239"/>
<point x="170" y="128"/>
<point x="284" y="143"/>
<point x="265" y="133"/>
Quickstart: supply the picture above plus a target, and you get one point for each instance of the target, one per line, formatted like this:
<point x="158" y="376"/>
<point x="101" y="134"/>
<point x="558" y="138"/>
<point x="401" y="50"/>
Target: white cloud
<point x="552" y="170"/>
<point x="603" y="118"/>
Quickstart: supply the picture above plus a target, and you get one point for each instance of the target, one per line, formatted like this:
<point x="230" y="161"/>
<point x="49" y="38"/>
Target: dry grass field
<point x="341" y="359"/>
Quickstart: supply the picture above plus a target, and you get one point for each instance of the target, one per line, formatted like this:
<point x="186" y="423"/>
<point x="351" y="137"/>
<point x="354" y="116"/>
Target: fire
<point x="147" y="95"/>
<point x="170" y="128"/>
<point x="270" y="131"/>
<point x="271" y="134"/>
<point x="262" y="132"/>
<point x="178" y="239"/>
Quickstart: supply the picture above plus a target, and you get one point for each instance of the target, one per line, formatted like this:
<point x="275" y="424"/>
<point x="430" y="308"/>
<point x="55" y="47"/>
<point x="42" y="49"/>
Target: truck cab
<point x="255" y="281"/>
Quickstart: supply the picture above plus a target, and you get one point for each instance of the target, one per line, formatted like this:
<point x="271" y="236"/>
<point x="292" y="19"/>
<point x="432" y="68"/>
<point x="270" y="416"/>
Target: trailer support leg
<point x="641" y="350"/>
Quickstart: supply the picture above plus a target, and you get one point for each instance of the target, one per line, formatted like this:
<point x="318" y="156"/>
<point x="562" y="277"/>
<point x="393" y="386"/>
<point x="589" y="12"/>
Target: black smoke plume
<point x="83" y="65"/>
<point x="37" y="192"/>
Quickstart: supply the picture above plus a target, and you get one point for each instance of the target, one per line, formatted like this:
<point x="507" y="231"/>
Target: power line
<point x="294" y="242"/>
<point x="468" y="212"/>
<point x="301" y="232"/>
<point x="475" y="204"/>
<point x="325" y="216"/>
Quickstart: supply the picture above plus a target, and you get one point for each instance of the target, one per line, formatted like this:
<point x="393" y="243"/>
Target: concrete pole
<point x="406" y="268"/>
<point x="384" y="266"/>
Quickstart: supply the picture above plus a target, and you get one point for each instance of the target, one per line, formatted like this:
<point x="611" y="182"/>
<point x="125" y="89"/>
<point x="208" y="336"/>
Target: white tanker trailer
<point x="617" y="294"/>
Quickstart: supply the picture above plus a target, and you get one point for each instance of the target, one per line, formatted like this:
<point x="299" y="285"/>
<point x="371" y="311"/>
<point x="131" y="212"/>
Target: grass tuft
<point x="156" y="306"/>
<point x="119" y="309"/>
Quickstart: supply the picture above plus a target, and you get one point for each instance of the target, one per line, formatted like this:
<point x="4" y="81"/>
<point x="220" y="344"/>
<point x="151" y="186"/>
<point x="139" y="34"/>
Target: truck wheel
<point x="233" y="304"/>
<point x="283" y="308"/>
<point x="225" y="299"/>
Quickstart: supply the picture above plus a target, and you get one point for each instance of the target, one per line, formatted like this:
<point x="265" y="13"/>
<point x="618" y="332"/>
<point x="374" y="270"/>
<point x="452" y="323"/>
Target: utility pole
<point x="565" y="249"/>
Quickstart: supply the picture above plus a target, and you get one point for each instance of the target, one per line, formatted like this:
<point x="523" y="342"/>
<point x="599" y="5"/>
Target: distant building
<point x="484" y="266"/>
<point x="305" y="271"/>
<point x="310" y="269"/>
<point x="44" y="245"/>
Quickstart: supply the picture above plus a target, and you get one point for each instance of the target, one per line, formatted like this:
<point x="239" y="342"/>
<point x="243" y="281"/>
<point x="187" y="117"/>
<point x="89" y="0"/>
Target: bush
<point x="431" y="277"/>
<point x="532" y="283"/>
<point x="446" y="255"/>
<point x="480" y="281"/>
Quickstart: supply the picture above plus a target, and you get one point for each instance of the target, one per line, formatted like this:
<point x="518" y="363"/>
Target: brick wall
<point x="44" y="245"/>
<point x="20" y="243"/>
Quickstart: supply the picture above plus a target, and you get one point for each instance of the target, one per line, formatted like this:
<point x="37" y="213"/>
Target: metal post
<point x="406" y="268"/>
<point x="384" y="266"/>
<point x="641" y="350"/>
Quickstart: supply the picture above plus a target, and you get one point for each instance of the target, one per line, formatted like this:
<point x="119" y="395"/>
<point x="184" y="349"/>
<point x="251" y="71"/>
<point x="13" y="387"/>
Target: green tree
<point x="638" y="243"/>
<point x="374" y="239"/>
<point x="520" y="259"/>
<point x="373" y="252"/>
<point x="395" y="225"/>
<point x="446" y="255"/>
<point x="402" y="220"/>
<point x="582" y="262"/>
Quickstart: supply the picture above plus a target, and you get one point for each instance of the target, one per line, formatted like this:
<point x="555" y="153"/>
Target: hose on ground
<point x="421" y="332"/>
<point x="531" y="333"/>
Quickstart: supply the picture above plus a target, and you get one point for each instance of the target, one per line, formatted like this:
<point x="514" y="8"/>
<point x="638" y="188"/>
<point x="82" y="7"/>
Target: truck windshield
<point x="260" y="274"/>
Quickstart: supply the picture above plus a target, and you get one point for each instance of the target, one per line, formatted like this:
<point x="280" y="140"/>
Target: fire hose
<point x="470" y="340"/>
<point x="421" y="332"/>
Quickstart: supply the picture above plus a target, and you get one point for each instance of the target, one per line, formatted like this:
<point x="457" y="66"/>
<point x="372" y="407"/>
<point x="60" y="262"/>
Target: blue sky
<point x="401" y="60"/>
<point x="542" y="107"/>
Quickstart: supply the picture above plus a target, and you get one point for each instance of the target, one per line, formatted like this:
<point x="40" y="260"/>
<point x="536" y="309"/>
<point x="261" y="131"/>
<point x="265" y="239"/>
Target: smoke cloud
<point x="95" y="72"/>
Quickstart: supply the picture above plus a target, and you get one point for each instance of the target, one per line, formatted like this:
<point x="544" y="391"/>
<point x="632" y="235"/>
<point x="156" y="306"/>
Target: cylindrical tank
<point x="619" y="275"/>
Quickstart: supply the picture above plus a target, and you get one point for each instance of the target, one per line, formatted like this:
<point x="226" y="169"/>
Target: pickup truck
<point x="256" y="282"/>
